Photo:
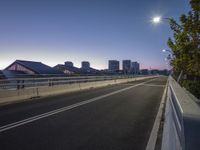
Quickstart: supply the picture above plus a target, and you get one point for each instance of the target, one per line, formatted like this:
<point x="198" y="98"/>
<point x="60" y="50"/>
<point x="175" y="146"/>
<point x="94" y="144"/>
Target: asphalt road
<point x="118" y="117"/>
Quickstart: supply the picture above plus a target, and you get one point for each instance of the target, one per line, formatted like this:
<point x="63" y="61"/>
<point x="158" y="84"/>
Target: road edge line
<point x="154" y="132"/>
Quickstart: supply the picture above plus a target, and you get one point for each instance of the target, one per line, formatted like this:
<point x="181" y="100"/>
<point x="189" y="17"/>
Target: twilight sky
<point x="54" y="31"/>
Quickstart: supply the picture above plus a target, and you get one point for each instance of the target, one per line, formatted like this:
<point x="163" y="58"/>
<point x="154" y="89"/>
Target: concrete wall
<point x="170" y="140"/>
<point x="182" y="119"/>
<point x="9" y="96"/>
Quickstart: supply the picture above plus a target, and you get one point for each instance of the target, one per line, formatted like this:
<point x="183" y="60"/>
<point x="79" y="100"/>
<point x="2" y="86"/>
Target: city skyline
<point x="85" y="64"/>
<point x="94" y="31"/>
<point x="23" y="68"/>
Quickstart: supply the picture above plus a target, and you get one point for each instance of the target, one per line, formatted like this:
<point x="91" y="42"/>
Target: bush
<point x="192" y="86"/>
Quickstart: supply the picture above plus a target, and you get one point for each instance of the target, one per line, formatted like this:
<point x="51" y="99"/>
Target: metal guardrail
<point x="43" y="89"/>
<point x="21" y="83"/>
<point x="182" y="119"/>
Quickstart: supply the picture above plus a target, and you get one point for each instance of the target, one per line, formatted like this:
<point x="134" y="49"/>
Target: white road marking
<point x="56" y="111"/>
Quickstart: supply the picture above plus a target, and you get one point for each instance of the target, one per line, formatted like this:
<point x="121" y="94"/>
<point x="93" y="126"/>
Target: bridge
<point x="98" y="113"/>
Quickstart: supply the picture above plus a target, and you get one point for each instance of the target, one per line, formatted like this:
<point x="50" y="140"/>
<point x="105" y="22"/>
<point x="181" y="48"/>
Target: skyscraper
<point x="126" y="66"/>
<point x="85" y="65"/>
<point x="113" y="66"/>
<point x="135" y="67"/>
<point x="69" y="64"/>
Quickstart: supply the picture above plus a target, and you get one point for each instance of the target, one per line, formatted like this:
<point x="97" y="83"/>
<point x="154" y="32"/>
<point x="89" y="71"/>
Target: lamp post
<point x="158" y="19"/>
<point x="166" y="50"/>
<point x="171" y="55"/>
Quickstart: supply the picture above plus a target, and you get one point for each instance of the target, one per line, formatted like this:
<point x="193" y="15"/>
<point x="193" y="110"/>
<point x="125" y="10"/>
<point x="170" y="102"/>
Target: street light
<point x="166" y="50"/>
<point x="170" y="56"/>
<point x="158" y="19"/>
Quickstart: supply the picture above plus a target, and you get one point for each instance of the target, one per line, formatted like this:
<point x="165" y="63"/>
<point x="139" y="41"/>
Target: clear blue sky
<point x="54" y="31"/>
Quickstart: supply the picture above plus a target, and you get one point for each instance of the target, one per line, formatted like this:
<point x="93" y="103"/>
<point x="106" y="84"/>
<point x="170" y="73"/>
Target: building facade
<point x="85" y="65"/>
<point x="135" y="67"/>
<point x="145" y="72"/>
<point x="32" y="68"/>
<point x="113" y="66"/>
<point x="126" y="66"/>
<point x="69" y="64"/>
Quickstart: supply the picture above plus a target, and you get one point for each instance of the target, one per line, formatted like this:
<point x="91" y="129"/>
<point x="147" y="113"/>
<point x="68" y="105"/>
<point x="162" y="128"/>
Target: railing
<point x="182" y="119"/>
<point x="24" y="89"/>
<point x="21" y="83"/>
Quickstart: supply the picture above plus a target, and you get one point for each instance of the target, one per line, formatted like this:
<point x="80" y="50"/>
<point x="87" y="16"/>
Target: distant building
<point x="113" y="66"/>
<point x="85" y="65"/>
<point x="8" y="74"/>
<point x="160" y="72"/>
<point x="135" y="67"/>
<point x="144" y="72"/>
<point x="69" y="64"/>
<point x="155" y="71"/>
<point x="31" y="68"/>
<point x="164" y="72"/>
<point x="68" y="69"/>
<point x="2" y="76"/>
<point x="126" y="66"/>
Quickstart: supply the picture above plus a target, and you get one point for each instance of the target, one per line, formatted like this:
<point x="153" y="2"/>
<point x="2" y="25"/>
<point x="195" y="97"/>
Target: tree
<point x="186" y="42"/>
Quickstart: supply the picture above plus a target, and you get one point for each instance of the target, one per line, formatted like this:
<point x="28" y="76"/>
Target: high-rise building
<point x="69" y="64"/>
<point x="113" y="66"/>
<point x="126" y="66"/>
<point x="135" y="67"/>
<point x="85" y="65"/>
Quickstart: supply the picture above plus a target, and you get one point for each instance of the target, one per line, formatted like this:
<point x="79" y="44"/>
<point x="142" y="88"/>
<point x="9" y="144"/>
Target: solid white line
<point x="50" y="113"/>
<point x="154" y="132"/>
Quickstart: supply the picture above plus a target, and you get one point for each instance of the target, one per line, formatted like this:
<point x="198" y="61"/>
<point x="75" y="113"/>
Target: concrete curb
<point x="154" y="132"/>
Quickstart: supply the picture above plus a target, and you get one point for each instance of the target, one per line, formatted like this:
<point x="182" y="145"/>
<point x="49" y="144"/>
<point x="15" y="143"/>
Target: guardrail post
<point x="23" y="86"/>
<point x="49" y="82"/>
<point x="18" y="84"/>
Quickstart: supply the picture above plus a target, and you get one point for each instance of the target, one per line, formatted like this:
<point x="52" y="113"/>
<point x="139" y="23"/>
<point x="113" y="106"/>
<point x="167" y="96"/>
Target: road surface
<point x="117" y="117"/>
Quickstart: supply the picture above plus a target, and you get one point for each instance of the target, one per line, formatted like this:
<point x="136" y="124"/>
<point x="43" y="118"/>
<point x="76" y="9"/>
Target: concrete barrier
<point x="182" y="119"/>
<point x="10" y="96"/>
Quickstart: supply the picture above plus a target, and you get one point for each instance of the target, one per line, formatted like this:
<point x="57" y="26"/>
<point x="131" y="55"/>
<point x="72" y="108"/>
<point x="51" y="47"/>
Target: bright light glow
<point x="156" y="19"/>
<point x="164" y="50"/>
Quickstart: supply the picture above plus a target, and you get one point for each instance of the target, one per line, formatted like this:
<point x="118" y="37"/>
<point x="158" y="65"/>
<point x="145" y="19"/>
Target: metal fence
<point x="21" y="83"/>
<point x="182" y="119"/>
